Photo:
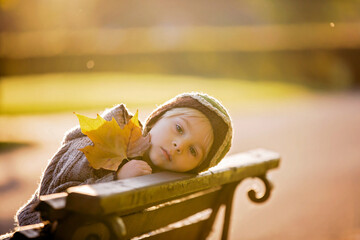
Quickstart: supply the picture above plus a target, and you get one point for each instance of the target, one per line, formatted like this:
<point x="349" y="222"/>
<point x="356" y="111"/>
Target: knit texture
<point x="216" y="113"/>
<point x="69" y="167"/>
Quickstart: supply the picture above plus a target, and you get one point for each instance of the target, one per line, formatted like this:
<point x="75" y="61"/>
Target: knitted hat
<point x="214" y="111"/>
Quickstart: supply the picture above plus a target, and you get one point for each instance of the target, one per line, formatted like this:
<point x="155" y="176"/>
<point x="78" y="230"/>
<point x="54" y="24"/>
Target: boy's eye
<point x="193" y="151"/>
<point x="179" y="128"/>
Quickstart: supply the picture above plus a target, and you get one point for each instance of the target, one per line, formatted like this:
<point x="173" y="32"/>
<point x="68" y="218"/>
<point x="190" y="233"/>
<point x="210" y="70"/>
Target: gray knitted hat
<point x="214" y="111"/>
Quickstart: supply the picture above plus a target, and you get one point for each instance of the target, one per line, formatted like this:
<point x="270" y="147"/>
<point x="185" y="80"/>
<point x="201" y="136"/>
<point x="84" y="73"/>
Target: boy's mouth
<point x="166" y="154"/>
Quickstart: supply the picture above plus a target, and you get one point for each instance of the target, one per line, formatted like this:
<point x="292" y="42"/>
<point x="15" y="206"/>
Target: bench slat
<point x="158" y="217"/>
<point x="189" y="232"/>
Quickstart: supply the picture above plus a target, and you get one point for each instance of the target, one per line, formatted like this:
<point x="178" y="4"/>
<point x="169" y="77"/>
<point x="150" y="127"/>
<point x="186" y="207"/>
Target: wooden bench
<point x="163" y="205"/>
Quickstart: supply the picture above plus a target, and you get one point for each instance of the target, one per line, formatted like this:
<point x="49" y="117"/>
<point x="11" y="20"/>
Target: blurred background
<point x="288" y="71"/>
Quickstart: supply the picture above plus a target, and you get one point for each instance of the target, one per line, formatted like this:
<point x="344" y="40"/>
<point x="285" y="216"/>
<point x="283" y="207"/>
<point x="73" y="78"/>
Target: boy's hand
<point x="134" y="168"/>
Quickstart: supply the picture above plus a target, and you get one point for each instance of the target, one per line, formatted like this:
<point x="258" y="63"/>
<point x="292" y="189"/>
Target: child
<point x="189" y="133"/>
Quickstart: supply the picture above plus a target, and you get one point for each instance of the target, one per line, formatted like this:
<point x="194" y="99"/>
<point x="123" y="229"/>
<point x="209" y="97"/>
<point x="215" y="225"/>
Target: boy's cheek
<point x="153" y="157"/>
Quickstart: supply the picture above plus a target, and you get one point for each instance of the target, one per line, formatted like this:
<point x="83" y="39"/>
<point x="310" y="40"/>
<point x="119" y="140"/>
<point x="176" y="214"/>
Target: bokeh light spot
<point x="90" y="64"/>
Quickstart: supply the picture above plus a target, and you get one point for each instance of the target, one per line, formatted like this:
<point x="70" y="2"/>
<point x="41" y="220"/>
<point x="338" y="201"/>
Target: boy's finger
<point x="144" y="164"/>
<point x="146" y="172"/>
<point x="146" y="167"/>
<point x="141" y="165"/>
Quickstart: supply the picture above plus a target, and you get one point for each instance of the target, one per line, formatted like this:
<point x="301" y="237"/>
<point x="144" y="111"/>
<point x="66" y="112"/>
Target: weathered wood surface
<point x="188" y="232"/>
<point x="131" y="195"/>
<point x="160" y="216"/>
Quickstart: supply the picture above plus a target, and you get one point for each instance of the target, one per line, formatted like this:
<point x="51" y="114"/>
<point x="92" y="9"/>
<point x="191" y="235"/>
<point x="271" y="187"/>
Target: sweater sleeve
<point x="69" y="167"/>
<point x="72" y="168"/>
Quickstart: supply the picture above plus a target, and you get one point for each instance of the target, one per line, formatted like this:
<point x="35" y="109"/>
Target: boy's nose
<point x="178" y="146"/>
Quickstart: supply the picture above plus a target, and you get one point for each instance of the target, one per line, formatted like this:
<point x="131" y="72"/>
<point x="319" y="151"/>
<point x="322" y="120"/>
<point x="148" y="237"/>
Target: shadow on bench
<point x="163" y="205"/>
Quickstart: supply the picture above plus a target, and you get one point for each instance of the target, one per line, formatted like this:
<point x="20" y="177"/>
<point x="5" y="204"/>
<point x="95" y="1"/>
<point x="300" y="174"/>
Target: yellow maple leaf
<point x="112" y="144"/>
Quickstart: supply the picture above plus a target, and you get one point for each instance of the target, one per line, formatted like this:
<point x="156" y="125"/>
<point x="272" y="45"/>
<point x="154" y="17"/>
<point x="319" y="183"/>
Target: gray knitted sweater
<point x="69" y="167"/>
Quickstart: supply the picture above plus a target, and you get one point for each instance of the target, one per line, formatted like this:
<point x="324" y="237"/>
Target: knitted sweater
<point x="69" y="167"/>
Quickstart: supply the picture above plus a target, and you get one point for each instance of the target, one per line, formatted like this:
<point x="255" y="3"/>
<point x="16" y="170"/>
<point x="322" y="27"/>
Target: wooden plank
<point x="125" y="195"/>
<point x="189" y="232"/>
<point x="161" y="216"/>
<point x="103" y="198"/>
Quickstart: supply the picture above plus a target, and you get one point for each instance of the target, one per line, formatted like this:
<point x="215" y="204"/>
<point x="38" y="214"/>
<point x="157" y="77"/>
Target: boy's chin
<point x="156" y="162"/>
<point x="151" y="160"/>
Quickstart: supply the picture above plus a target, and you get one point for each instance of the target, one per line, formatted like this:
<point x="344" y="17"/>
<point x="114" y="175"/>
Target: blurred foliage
<point x="315" y="43"/>
<point x="317" y="69"/>
<point x="73" y="92"/>
<point x="39" y="15"/>
<point x="11" y="146"/>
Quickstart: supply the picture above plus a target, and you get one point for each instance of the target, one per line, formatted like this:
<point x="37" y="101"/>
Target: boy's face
<point x="178" y="142"/>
